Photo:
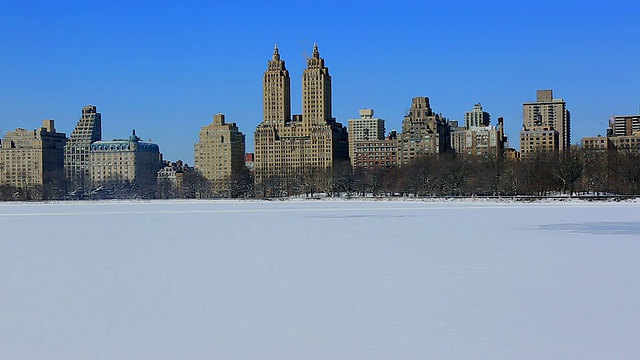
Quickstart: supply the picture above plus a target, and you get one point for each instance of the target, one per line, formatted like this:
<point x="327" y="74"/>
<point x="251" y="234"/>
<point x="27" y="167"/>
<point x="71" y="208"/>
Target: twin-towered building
<point x="286" y="146"/>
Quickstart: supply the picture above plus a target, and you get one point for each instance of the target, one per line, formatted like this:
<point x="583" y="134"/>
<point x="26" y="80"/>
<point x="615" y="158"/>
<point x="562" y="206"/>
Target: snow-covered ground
<point x="319" y="280"/>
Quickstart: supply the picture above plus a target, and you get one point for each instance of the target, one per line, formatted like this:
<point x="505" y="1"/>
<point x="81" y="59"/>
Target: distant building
<point x="173" y="172"/>
<point x="76" y="152"/>
<point x="366" y="128"/>
<point x="219" y="153"/>
<point x="129" y="160"/>
<point x="477" y="117"/>
<point x="625" y="125"/>
<point x="623" y="134"/>
<point x="423" y="132"/>
<point x="538" y="139"/>
<point x="376" y="154"/>
<point x="288" y="147"/>
<point x="478" y="137"/>
<point x="546" y="113"/>
<point x="29" y="158"/>
<point x="249" y="163"/>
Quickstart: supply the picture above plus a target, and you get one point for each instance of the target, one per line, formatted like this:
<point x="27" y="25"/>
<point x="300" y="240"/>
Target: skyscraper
<point x="76" y="152"/>
<point x="287" y="148"/>
<point x="276" y="92"/>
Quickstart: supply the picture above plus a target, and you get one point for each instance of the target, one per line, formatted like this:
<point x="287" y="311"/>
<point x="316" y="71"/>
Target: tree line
<point x="574" y="172"/>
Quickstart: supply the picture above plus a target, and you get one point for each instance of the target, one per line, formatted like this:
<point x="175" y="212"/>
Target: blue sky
<point x="164" y="68"/>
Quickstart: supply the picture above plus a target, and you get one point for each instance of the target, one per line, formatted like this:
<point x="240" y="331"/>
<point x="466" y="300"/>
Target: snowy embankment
<point x="319" y="279"/>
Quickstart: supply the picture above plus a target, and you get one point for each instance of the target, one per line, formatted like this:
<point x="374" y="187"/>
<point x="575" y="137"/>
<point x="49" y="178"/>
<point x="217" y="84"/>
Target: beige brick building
<point x="548" y="113"/>
<point x="129" y="160"/>
<point x="219" y="153"/>
<point x="538" y="139"/>
<point x="77" y="151"/>
<point x="366" y="128"/>
<point x="478" y="137"/>
<point x="423" y="132"/>
<point x="287" y="147"/>
<point x="30" y="158"/>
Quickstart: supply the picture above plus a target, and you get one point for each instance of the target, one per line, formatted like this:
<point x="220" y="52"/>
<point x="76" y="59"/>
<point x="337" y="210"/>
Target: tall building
<point x="366" y="128"/>
<point x="547" y="113"/>
<point x="476" y="117"/>
<point x="29" y="158"/>
<point x="219" y="153"/>
<point x="286" y="148"/>
<point x="276" y="94"/>
<point x="122" y="160"/>
<point x="423" y="132"/>
<point x="76" y="152"/>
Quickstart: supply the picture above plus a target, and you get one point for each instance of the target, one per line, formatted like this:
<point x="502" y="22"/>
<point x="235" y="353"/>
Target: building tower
<point x="219" y="154"/>
<point x="316" y="91"/>
<point x="287" y="149"/>
<point x="276" y="92"/>
<point x="545" y="116"/>
<point x="76" y="152"/>
<point x="423" y="132"/>
<point x="476" y="117"/>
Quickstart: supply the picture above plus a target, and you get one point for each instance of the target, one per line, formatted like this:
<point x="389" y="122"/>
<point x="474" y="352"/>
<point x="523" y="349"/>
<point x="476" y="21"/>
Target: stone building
<point x="546" y="113"/>
<point x="477" y="117"/>
<point x="376" y="154"/>
<point x="31" y="158"/>
<point x="288" y="147"/>
<point x="423" y="132"/>
<point x="478" y="137"/>
<point x="366" y="128"/>
<point x="538" y="139"/>
<point x="120" y="160"/>
<point x="76" y="153"/>
<point x="219" y="153"/>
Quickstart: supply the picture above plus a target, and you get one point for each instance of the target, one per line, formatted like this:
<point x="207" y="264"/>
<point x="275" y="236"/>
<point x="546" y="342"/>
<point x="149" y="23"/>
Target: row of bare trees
<point x="577" y="171"/>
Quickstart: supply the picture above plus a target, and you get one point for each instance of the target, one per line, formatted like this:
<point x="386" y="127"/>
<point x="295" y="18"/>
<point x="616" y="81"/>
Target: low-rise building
<point x="130" y="160"/>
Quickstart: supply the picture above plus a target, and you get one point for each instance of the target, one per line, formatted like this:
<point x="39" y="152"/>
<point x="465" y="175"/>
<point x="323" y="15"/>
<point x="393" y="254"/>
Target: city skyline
<point x="159" y="68"/>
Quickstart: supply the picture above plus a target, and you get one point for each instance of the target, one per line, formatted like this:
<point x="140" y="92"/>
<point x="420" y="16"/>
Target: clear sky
<point x="164" y="68"/>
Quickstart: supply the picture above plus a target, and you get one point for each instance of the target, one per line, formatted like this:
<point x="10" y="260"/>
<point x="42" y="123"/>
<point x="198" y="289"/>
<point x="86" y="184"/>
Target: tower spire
<point x="316" y="54"/>
<point x="276" y="54"/>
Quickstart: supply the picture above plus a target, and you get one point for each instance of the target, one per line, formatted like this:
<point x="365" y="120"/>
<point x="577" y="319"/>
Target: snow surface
<point x="319" y="280"/>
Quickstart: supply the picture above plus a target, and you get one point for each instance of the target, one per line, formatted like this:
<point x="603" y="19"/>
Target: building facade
<point x="624" y="125"/>
<point x="129" y="160"/>
<point x="376" y="154"/>
<point x="219" y="153"/>
<point x="550" y="113"/>
<point x="538" y="140"/>
<point x="478" y="137"/>
<point x="287" y="147"/>
<point x="477" y="117"/>
<point x="77" y="151"/>
<point x="366" y="128"/>
<point x="423" y="132"/>
<point x="31" y="158"/>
